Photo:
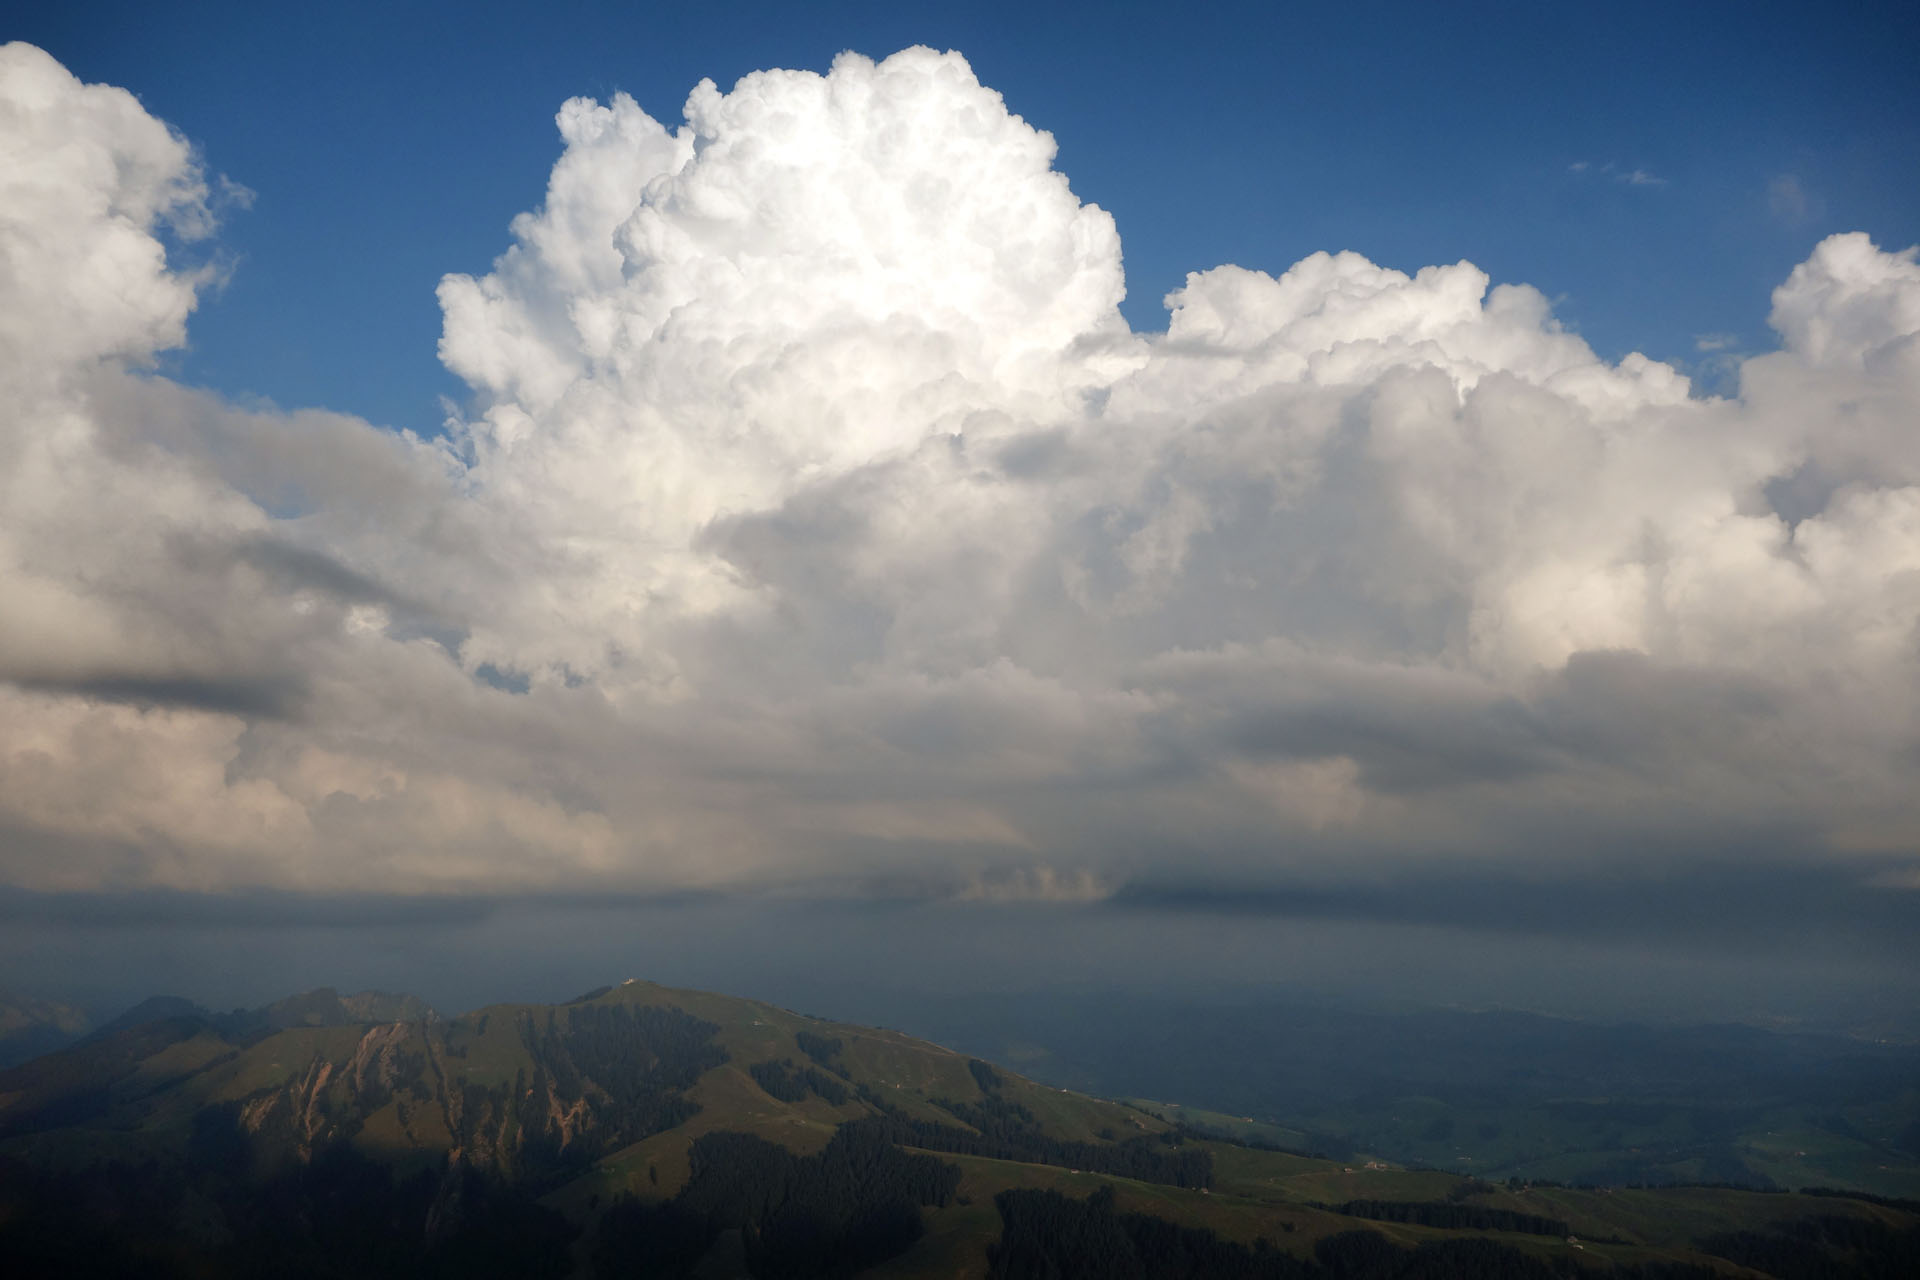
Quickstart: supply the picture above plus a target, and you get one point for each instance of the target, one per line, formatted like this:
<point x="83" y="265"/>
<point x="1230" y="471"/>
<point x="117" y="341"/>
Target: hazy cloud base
<point x="819" y="527"/>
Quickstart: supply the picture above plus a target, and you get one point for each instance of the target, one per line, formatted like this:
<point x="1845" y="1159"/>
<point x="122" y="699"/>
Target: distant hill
<point x="29" y="1028"/>
<point x="322" y="1007"/>
<point x="644" y="1131"/>
<point x="152" y="1009"/>
<point x="326" y="1007"/>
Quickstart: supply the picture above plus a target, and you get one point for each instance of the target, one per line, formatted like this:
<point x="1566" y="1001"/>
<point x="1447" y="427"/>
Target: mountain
<point x="321" y="1007"/>
<point x="152" y="1009"/>
<point x="325" y="1007"/>
<point x="29" y="1028"/>
<point x="645" y="1131"/>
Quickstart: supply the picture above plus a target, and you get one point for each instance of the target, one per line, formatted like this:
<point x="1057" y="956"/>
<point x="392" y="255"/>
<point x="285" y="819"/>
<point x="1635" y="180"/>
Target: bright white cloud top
<point x="818" y="520"/>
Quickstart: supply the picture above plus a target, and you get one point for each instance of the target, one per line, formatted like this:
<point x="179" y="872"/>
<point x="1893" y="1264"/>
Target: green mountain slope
<point x="646" y="1131"/>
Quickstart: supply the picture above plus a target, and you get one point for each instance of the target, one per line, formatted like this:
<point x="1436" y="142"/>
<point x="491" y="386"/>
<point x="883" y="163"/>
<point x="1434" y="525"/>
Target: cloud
<point x="1757" y="904"/>
<point x="1038" y="884"/>
<point x="90" y="175"/>
<point x="1791" y="203"/>
<point x="811" y="275"/>
<point x="1626" y="177"/>
<point x="817" y="521"/>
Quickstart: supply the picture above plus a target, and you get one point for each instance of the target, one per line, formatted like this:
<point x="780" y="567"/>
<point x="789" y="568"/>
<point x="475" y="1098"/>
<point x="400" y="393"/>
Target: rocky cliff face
<point x="527" y="1092"/>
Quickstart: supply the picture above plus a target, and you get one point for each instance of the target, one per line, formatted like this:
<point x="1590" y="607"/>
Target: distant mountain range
<point x="29" y="1028"/>
<point x="644" y="1131"/>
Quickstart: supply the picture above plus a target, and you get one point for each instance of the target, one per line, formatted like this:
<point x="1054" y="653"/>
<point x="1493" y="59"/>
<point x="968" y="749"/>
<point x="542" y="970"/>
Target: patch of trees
<point x="339" y="1217"/>
<point x="824" y="1050"/>
<point x="1720" y="1168"/>
<point x="790" y="1083"/>
<point x="997" y="1119"/>
<point x="1889" y="1202"/>
<point x="1767" y="1188"/>
<point x="1049" y="1236"/>
<point x="1008" y="1131"/>
<point x="1207" y="1133"/>
<point x="855" y="1204"/>
<point x="631" y="1052"/>
<point x="1324" y="1146"/>
<point x="633" y="1063"/>
<point x="984" y="1075"/>
<point x="1352" y="1256"/>
<point x="1366" y="1255"/>
<point x="1453" y="1216"/>
<point x="1824" y="1247"/>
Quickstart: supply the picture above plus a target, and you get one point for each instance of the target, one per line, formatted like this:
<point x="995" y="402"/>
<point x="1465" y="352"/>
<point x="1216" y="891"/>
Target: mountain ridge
<point x="30" y="1027"/>
<point x="646" y="1130"/>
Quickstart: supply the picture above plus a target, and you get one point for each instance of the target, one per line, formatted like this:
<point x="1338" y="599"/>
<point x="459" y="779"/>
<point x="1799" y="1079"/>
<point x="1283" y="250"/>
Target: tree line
<point x="1008" y="1131"/>
<point x="1453" y="1216"/>
<point x="790" y="1083"/>
<point x="1049" y="1236"/>
<point x="1824" y="1247"/>
<point x="855" y="1204"/>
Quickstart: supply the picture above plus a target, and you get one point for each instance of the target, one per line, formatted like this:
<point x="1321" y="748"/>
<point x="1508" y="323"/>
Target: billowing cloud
<point x="814" y="275"/>
<point x="818" y="522"/>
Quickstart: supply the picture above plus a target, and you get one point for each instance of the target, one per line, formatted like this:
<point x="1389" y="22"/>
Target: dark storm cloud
<point x="1754" y="901"/>
<point x="270" y="697"/>
<point x="1404" y="748"/>
<point x="111" y="910"/>
<point x="294" y="568"/>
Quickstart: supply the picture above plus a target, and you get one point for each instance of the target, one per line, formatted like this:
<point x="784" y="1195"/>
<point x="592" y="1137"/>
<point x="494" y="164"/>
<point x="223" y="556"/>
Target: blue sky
<point x="388" y="144"/>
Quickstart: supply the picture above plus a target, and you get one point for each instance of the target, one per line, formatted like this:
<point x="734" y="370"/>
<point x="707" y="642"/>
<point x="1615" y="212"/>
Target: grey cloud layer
<point x="817" y="521"/>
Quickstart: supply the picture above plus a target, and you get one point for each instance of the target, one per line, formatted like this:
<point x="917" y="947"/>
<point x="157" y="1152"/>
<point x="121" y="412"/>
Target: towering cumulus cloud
<point x="814" y="275"/>
<point x="818" y="520"/>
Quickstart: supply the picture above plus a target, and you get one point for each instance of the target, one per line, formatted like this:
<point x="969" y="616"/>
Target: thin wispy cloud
<point x="1617" y="173"/>
<point x="1791" y="203"/>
